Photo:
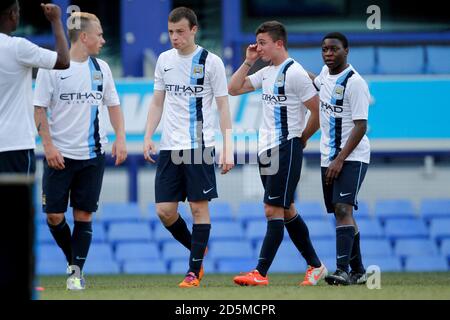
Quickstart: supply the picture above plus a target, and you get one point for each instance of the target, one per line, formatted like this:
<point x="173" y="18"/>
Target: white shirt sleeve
<point x="110" y="96"/>
<point x="43" y="92"/>
<point x="256" y="79"/>
<point x="359" y="99"/>
<point x="31" y="55"/>
<point x="159" y="75"/>
<point x="304" y="86"/>
<point x="317" y="82"/>
<point x="218" y="78"/>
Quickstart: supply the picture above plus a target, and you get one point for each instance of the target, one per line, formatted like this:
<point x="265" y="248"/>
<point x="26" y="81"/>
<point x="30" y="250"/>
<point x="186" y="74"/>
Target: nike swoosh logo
<point x="79" y="258"/>
<point x="196" y="260"/>
<point x="340" y="257"/>
<point x="206" y="192"/>
<point x="166" y="70"/>
<point x="64" y="78"/>
<point x="317" y="277"/>
<point x="273" y="198"/>
<point x="259" y="281"/>
<point x="345" y="194"/>
<point x="265" y="79"/>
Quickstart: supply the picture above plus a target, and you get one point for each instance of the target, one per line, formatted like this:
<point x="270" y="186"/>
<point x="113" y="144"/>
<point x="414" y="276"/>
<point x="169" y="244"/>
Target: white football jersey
<point x="17" y="58"/>
<point x="191" y="83"/>
<point x="284" y="89"/>
<point x="344" y="97"/>
<point x="76" y="99"/>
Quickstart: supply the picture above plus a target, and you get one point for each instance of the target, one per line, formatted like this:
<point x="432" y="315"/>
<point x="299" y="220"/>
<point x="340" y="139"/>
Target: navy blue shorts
<point x="81" y="180"/>
<point x="346" y="187"/>
<point x="182" y="174"/>
<point x="19" y="161"/>
<point x="280" y="170"/>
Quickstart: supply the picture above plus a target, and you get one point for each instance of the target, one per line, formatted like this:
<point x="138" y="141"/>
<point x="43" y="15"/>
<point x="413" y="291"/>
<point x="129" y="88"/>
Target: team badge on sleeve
<point x="198" y="71"/>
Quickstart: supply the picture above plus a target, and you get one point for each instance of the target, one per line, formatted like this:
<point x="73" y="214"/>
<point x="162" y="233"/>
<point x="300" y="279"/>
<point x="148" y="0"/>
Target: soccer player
<point x="287" y="95"/>
<point x="18" y="57"/>
<point x="187" y="80"/>
<point x="345" y="149"/>
<point x="74" y="139"/>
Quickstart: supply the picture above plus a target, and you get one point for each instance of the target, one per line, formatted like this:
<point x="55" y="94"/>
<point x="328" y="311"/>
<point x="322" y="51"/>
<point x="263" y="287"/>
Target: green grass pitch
<point x="394" y="286"/>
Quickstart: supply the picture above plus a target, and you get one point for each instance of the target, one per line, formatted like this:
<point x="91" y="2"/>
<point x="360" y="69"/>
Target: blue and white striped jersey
<point x="76" y="99"/>
<point x="344" y="97"/>
<point x="190" y="83"/>
<point x="284" y="89"/>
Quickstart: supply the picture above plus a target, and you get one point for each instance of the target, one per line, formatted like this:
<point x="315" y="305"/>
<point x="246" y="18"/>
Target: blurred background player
<point x="345" y="149"/>
<point x="187" y="79"/>
<point x="287" y="95"/>
<point x="18" y="57"/>
<point x="74" y="139"/>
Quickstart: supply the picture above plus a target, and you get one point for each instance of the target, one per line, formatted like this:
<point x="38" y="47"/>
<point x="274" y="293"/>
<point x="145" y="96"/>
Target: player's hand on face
<point x="51" y="11"/>
<point x="252" y="55"/>
<point x="333" y="171"/>
<point x="54" y="158"/>
<point x="149" y="150"/>
<point x="119" y="151"/>
<point x="226" y="162"/>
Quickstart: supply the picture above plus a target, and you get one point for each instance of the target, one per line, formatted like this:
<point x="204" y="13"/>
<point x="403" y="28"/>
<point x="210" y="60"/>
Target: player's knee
<point x="199" y="211"/>
<point x="55" y="219"/>
<point x="82" y="216"/>
<point x="273" y="212"/>
<point x="165" y="214"/>
<point x="343" y="213"/>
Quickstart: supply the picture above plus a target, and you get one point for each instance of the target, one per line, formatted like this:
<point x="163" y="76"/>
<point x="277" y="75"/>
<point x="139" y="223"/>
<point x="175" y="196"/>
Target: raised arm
<point x="240" y="83"/>
<point x="53" y="14"/>
<point x="155" y="112"/>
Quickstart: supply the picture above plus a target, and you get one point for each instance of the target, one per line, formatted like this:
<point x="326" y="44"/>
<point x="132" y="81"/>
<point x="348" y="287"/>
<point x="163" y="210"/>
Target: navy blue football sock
<point x="81" y="242"/>
<point x="62" y="236"/>
<point x="299" y="234"/>
<point x="356" y="258"/>
<point x="271" y="243"/>
<point x="200" y="237"/>
<point x="181" y="233"/>
<point x="344" y="244"/>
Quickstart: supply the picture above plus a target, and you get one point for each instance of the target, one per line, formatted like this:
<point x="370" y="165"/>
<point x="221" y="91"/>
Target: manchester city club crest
<point x="198" y="71"/>
<point x="338" y="92"/>
<point x="279" y="82"/>
<point x="97" y="78"/>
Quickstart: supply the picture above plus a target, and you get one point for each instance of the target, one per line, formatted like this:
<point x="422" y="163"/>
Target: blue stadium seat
<point x="50" y="252"/>
<point x="362" y="59"/>
<point x="311" y="210"/>
<point x="98" y="233"/>
<point x="181" y="266"/>
<point x="100" y="252"/>
<point x="136" y="251"/>
<point x="114" y="212"/>
<point x="101" y="267"/>
<point x="371" y="248"/>
<point x="440" y="229"/>
<point x="129" y="231"/>
<point x="256" y="230"/>
<point x="386" y="264"/>
<point x="221" y="211"/>
<point x="288" y="265"/>
<point x="174" y="250"/>
<point x="251" y="211"/>
<point x="161" y="234"/>
<point x="401" y="60"/>
<point x="145" y="267"/>
<point x="43" y="234"/>
<point x="235" y="265"/>
<point x="405" y="228"/>
<point x="437" y="59"/>
<point x="431" y="263"/>
<point x="309" y="58"/>
<point x="319" y="229"/>
<point x="226" y="230"/>
<point x="391" y="209"/>
<point x="325" y="248"/>
<point x="435" y="208"/>
<point x="50" y="268"/>
<point x="224" y="249"/>
<point x="363" y="211"/>
<point x="415" y="247"/>
<point x="445" y="248"/>
<point x="370" y="228"/>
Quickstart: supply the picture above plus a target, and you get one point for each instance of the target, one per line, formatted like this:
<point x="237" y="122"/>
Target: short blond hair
<point x="80" y="22"/>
